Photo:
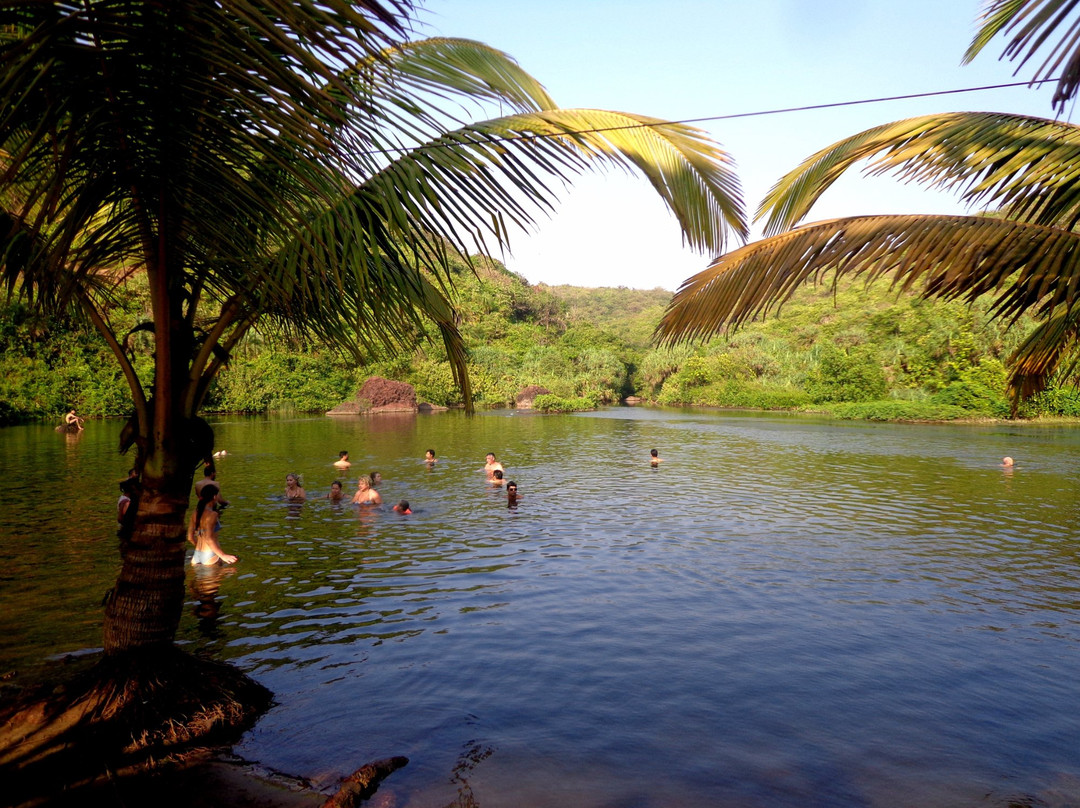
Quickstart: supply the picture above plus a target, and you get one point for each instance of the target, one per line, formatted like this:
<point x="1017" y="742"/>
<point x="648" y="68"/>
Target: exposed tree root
<point x="364" y="782"/>
<point x="131" y="710"/>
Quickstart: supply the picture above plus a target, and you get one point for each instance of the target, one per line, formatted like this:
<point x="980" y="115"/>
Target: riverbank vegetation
<point x="854" y="350"/>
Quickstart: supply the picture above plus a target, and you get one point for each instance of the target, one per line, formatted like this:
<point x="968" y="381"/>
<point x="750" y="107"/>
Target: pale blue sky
<point x="694" y="59"/>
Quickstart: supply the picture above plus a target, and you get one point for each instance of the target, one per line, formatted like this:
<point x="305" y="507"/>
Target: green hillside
<point x="854" y="350"/>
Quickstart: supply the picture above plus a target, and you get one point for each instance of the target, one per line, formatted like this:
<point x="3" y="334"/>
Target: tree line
<point x="848" y="348"/>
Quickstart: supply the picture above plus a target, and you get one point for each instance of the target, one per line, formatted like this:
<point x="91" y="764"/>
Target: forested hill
<point x="854" y="350"/>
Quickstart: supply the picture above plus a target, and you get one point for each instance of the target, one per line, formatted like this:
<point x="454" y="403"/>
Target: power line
<point x="731" y="116"/>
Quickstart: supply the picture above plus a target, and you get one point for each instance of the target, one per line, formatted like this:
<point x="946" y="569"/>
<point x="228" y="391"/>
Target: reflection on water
<point x="785" y="612"/>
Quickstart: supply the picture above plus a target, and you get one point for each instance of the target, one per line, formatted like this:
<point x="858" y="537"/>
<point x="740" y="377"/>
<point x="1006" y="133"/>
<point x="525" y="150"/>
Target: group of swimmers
<point x="206" y="522"/>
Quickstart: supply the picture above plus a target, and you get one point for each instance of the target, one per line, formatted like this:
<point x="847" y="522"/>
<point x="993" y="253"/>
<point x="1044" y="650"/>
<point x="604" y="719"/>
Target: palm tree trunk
<point x="144" y="607"/>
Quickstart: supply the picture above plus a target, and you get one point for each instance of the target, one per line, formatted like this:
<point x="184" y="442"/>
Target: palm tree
<point x="1026" y="254"/>
<point x="298" y="164"/>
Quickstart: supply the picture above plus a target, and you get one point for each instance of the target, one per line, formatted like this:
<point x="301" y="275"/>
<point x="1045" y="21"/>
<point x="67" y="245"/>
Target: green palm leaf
<point x="1024" y="267"/>
<point x="991" y="159"/>
<point x="1032" y="22"/>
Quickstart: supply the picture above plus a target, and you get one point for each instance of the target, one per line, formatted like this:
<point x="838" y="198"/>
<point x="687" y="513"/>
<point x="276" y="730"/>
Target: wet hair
<point x="403" y="505"/>
<point x="291" y="474"/>
<point x="511" y="484"/>
<point x="342" y="454"/>
<point x="654" y="453"/>
<point x="430" y="452"/>
<point x="206" y="496"/>
<point x="336" y="482"/>
<point x="374" y="478"/>
<point x="497" y="474"/>
<point x="491" y="455"/>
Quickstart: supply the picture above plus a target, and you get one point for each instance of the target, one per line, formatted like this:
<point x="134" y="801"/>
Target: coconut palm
<point x="293" y="164"/>
<point x="1026" y="254"/>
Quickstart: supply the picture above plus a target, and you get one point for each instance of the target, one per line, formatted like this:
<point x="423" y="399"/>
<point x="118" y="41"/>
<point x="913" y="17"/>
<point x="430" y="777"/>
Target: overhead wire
<point x="728" y="117"/>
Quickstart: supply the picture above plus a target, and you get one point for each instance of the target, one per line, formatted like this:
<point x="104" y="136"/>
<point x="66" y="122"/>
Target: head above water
<point x="343" y="455"/>
<point x="654" y="453"/>
<point x="1006" y="461"/>
<point x="291" y="479"/>
<point x="429" y="454"/>
<point x="511" y="487"/>
<point x="490" y="457"/>
<point x="335" y="485"/>
<point x="497" y="474"/>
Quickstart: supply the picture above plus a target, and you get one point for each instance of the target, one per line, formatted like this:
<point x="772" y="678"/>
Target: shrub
<point x="853" y="375"/>
<point x="892" y="410"/>
<point x="551" y="403"/>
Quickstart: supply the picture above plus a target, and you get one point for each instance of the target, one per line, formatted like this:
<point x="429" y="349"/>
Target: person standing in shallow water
<point x="511" y="494"/>
<point x="203" y="529"/>
<point x="343" y="460"/>
<point x="336" y="494"/>
<point x="429" y="456"/>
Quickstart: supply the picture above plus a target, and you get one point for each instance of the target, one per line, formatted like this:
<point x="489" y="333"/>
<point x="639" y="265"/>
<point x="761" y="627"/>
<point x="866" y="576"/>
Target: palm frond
<point x="1037" y="359"/>
<point x="1032" y="23"/>
<point x="1025" y="267"/>
<point x="991" y="159"/>
<point x="518" y="164"/>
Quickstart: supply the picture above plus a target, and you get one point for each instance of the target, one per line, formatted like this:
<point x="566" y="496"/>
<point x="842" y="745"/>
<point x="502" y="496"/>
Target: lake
<point x="788" y="611"/>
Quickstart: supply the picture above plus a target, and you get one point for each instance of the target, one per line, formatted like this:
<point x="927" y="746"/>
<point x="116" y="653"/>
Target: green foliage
<point x="275" y="380"/>
<point x="551" y="403"/>
<point x="851" y="375"/>
<point x="898" y="411"/>
<point x="902" y="358"/>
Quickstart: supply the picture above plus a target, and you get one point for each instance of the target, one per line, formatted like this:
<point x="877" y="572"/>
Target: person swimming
<point x="512" y="495"/>
<point x="492" y="465"/>
<point x="655" y="458"/>
<point x="496" y="478"/>
<point x="335" y="494"/>
<point x="429" y="456"/>
<point x="203" y="528"/>
<point x="293" y="490"/>
<point x="343" y="460"/>
<point x="402" y="507"/>
<point x="365" y="494"/>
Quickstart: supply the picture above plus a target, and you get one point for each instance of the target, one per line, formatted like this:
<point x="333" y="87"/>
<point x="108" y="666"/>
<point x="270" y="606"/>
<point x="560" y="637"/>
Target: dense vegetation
<point x="856" y="351"/>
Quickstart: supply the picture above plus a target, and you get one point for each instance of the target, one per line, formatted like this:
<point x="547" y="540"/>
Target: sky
<point x="692" y="59"/>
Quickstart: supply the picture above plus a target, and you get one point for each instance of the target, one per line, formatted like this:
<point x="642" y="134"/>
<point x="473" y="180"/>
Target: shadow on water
<point x="785" y="612"/>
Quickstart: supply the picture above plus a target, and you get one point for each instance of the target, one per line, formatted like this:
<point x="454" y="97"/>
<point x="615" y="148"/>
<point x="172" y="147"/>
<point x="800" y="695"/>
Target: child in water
<point x="402" y="507"/>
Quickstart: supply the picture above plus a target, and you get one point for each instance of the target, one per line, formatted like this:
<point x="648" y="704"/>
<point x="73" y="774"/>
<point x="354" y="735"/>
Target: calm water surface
<point x="787" y="612"/>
